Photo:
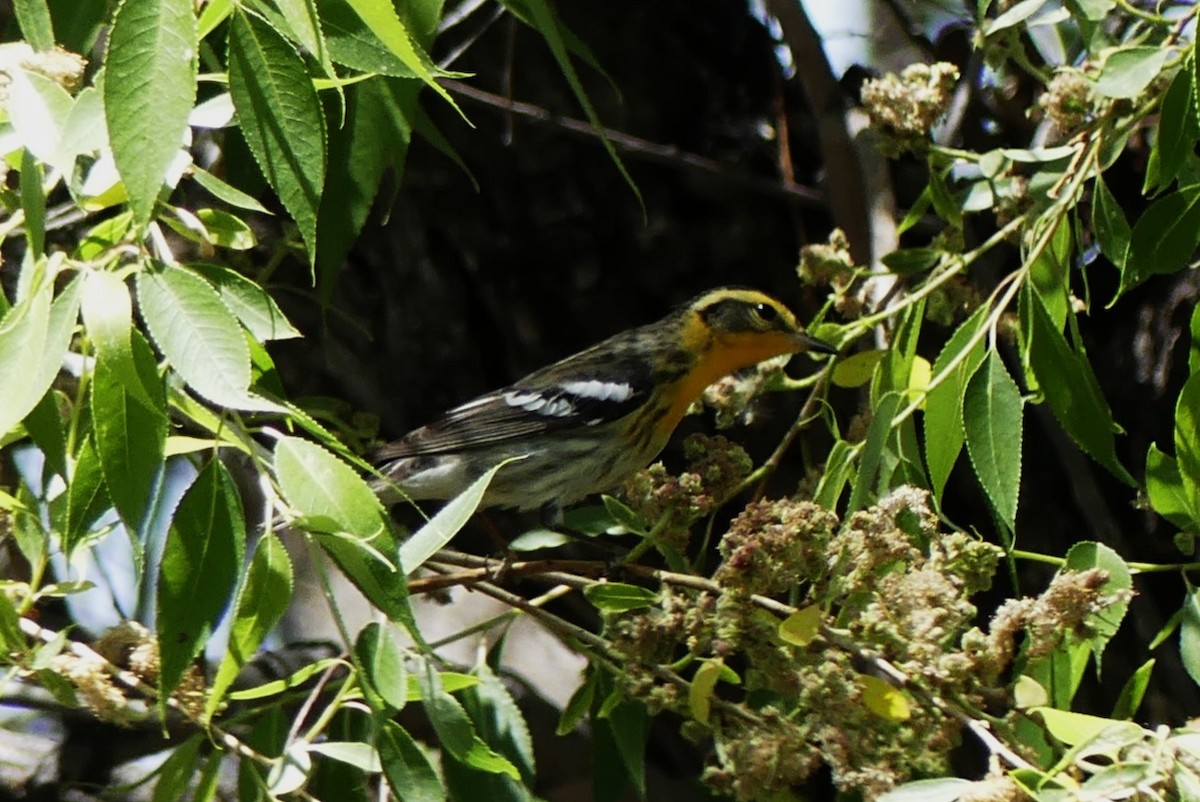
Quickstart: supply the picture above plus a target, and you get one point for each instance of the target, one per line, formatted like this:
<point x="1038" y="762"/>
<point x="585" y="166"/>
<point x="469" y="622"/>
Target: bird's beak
<point x="807" y="342"/>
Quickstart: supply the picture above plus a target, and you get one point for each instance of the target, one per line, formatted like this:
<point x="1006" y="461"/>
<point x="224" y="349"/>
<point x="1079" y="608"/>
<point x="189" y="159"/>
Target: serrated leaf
<point x="1109" y="224"/>
<point x="194" y="329"/>
<point x="382" y="660"/>
<point x="318" y="485"/>
<point x="46" y="425"/>
<point x="226" y="192"/>
<point x="839" y="469"/>
<point x="992" y="423"/>
<point x="909" y="261"/>
<point x="1070" y="386"/>
<point x="1187" y="441"/>
<point x="86" y="496"/>
<point x="201" y="561"/>
<point x="883" y="699"/>
<point x="1129" y="70"/>
<point x="1134" y="690"/>
<point x="578" y="706"/>
<point x="443" y="526"/>
<point x="1164" y="238"/>
<point x="280" y="117"/>
<point x="130" y="434"/>
<point x="618" y="597"/>
<point x="149" y="89"/>
<point x="382" y="20"/>
<point x="801" y="627"/>
<point x="36" y="26"/>
<point x="543" y="19"/>
<point x="1103" y="625"/>
<point x="1164" y="486"/>
<point x="261" y="602"/>
<point x="1177" y="133"/>
<point x="499" y="721"/>
<point x="375" y="134"/>
<point x="943" y="407"/>
<point x="253" y="305"/>
<point x="406" y="767"/>
<point x="1189" y="634"/>
<point x="872" y="454"/>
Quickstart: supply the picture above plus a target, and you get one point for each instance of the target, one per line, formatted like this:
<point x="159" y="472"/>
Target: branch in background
<point x="642" y="148"/>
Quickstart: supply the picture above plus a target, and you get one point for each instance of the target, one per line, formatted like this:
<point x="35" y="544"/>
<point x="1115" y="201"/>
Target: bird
<point x="585" y="423"/>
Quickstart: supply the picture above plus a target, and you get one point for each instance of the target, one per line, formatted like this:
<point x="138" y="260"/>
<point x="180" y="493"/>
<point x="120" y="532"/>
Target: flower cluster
<point x="904" y="107"/>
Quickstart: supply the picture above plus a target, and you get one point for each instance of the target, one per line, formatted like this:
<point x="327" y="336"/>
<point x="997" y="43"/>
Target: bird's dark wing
<point x="535" y="405"/>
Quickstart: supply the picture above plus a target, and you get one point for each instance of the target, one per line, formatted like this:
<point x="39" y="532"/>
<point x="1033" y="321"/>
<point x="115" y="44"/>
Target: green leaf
<point x="1163" y="239"/>
<point x="1014" y="15"/>
<point x="34" y="335"/>
<point x="1194" y="345"/>
<point x="38" y="109"/>
<point x="1189" y="634"/>
<point x="839" y="468"/>
<point x="1048" y="274"/>
<point x="700" y="691"/>
<point x="130" y="434"/>
<point x="176" y="775"/>
<point x="36" y="26"/>
<point x="226" y="230"/>
<point x="1104" y="624"/>
<point x="618" y="597"/>
<point x="406" y="767"/>
<point x="909" y="261"/>
<point x="942" y="789"/>
<point x="1070" y="386"/>
<point x="86" y="496"/>
<point x="280" y="117"/>
<point x="223" y="191"/>
<point x="801" y="627"/>
<point x="375" y="133"/>
<point x="1109" y="223"/>
<point x="353" y="44"/>
<point x="382" y="20"/>
<point x="194" y="329"/>
<point x="443" y="526"/>
<point x="382" y="661"/>
<point x="202" y="557"/>
<point x="629" y="724"/>
<point x="547" y="24"/>
<point x="883" y="699"/>
<point x="322" y="489"/>
<point x="46" y="425"/>
<point x="857" y="369"/>
<point x="1187" y="441"/>
<point x="1164" y="486"/>
<point x="33" y="204"/>
<point x="253" y="305"/>
<point x="501" y="726"/>
<point x="1130" y="698"/>
<point x="1177" y="134"/>
<point x="261" y="603"/>
<point x="455" y="732"/>
<point x="1129" y="70"/>
<point x="873" y="452"/>
<point x="943" y="407"/>
<point x="1073" y="728"/>
<point x="992" y="422"/>
<point x="149" y="90"/>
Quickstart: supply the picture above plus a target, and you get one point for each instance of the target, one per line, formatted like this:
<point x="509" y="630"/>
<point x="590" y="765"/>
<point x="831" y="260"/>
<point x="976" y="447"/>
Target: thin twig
<point x="635" y="146"/>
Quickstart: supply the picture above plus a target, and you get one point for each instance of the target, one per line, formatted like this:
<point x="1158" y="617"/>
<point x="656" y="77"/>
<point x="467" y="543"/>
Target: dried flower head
<point x="904" y="108"/>
<point x="1068" y="102"/>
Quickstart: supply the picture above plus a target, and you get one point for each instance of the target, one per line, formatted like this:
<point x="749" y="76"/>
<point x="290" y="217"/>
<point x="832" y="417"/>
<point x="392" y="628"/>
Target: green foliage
<point x="135" y="348"/>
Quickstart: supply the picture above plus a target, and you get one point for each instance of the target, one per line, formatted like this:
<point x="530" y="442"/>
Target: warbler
<point x="583" y="424"/>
